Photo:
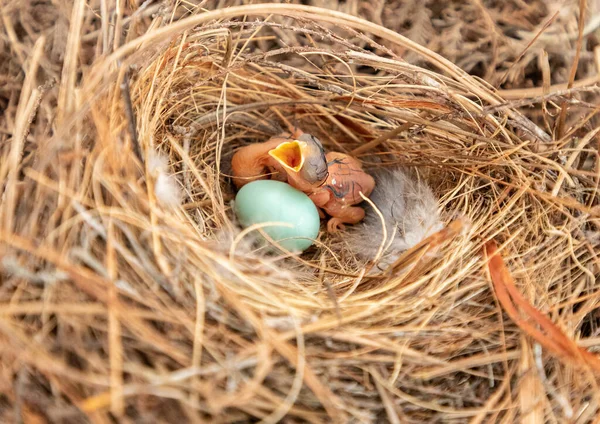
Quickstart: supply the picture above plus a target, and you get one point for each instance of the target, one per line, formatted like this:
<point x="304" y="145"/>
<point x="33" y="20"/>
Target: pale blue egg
<point x="270" y="201"/>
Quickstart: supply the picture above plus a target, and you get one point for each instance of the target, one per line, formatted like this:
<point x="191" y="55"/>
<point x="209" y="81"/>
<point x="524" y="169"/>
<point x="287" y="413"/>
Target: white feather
<point x="158" y="163"/>
<point x="166" y="187"/>
<point x="167" y="190"/>
<point x="410" y="212"/>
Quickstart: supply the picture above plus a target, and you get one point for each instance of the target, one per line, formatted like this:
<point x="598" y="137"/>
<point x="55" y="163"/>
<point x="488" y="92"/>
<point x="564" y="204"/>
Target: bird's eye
<point x="324" y="179"/>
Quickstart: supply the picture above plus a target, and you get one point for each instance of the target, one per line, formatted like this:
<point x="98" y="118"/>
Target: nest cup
<point x="228" y="84"/>
<point x="232" y="334"/>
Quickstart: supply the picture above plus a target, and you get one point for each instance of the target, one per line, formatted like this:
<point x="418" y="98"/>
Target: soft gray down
<point x="410" y="211"/>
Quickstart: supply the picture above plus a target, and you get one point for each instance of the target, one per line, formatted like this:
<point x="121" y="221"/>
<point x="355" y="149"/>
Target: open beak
<point x="290" y="154"/>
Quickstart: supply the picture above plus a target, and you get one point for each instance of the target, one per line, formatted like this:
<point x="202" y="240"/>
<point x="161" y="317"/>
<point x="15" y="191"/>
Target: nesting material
<point x="122" y="302"/>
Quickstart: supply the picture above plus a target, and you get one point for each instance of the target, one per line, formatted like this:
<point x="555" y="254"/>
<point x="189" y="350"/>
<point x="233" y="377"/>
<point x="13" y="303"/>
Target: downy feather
<point x="410" y="212"/>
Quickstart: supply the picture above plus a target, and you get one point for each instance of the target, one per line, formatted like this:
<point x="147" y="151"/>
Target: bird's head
<point x="303" y="160"/>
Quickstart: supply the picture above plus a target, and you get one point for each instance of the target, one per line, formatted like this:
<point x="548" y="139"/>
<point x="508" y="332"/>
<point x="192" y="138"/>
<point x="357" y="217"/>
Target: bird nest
<point x="135" y="295"/>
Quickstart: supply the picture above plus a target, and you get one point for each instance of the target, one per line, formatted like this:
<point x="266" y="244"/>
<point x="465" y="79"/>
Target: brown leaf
<point x="549" y="335"/>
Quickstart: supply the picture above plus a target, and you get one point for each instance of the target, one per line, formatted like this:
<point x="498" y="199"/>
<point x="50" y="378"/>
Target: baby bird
<point x="296" y="158"/>
<point x="341" y="192"/>
<point x="333" y="181"/>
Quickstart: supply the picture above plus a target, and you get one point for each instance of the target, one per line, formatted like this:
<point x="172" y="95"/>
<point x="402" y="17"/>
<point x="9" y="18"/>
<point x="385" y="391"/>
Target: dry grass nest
<point x="121" y="303"/>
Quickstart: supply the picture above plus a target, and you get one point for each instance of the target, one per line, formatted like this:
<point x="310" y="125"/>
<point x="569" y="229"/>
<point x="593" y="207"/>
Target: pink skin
<point x="341" y="191"/>
<point x="253" y="162"/>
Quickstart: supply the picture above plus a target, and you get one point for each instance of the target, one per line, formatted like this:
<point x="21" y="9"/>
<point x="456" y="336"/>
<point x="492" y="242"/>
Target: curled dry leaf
<point x="529" y="319"/>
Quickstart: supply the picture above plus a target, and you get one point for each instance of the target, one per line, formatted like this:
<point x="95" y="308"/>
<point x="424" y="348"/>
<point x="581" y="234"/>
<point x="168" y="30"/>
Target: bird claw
<point x="334" y="225"/>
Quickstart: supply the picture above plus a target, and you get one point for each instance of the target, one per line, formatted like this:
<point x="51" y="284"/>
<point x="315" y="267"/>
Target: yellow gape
<point x="290" y="154"/>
